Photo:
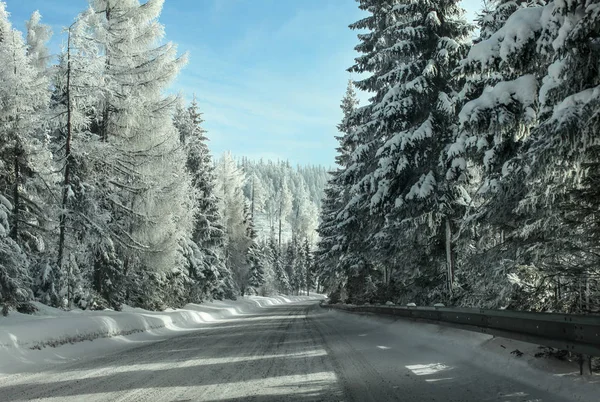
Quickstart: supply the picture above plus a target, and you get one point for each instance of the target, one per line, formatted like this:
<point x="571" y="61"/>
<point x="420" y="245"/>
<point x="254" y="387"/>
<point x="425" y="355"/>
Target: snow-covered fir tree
<point x="401" y="193"/>
<point x="211" y="277"/>
<point x="562" y="165"/>
<point x="328" y="252"/>
<point x="38" y="35"/>
<point x="499" y="110"/>
<point x="279" y="193"/>
<point x="256" y="274"/>
<point x="15" y="282"/>
<point x="76" y="81"/>
<point x="26" y="166"/>
<point x="143" y="186"/>
<point x="282" y="282"/>
<point x="233" y="209"/>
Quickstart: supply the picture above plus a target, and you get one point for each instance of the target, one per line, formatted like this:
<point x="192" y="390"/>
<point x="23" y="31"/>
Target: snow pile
<point x="24" y="337"/>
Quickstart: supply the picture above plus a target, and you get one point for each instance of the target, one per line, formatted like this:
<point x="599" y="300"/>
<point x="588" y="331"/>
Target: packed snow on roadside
<point x="506" y="357"/>
<point x="31" y="341"/>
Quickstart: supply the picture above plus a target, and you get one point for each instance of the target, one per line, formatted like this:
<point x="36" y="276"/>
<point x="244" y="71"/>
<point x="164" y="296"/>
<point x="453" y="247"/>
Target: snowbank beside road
<point x="28" y="340"/>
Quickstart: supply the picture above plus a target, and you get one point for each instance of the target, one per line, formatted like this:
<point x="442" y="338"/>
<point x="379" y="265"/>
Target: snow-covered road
<point x="294" y="352"/>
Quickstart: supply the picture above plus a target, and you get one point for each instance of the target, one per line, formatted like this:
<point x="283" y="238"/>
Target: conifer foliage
<point x="469" y="177"/>
<point x="108" y="190"/>
<point x="470" y="173"/>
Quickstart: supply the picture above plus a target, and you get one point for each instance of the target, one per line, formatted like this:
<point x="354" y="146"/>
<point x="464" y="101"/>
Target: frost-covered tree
<point x="401" y="193"/>
<point x="562" y="163"/>
<point x="76" y="81"/>
<point x="304" y="216"/>
<point x="210" y="273"/>
<point x="290" y="257"/>
<point x="143" y="184"/>
<point x="38" y="36"/>
<point x="26" y="167"/>
<point x="233" y="210"/>
<point x="254" y="255"/>
<point x="309" y="268"/>
<point x="503" y="73"/>
<point x="283" y="202"/>
<point x="14" y="276"/>
<point x="337" y="195"/>
<point x="282" y="283"/>
<point x="256" y="274"/>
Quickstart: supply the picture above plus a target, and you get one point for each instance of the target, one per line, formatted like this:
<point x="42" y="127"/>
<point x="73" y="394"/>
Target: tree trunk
<point x="105" y="112"/>
<point x="16" y="201"/>
<point x="14" y="233"/>
<point x="280" y="228"/>
<point x="67" y="175"/>
<point x="252" y="203"/>
<point x="587" y="294"/>
<point x="449" y="257"/>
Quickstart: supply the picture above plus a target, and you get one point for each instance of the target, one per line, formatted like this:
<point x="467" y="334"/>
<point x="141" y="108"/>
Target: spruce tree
<point x="15" y="281"/>
<point x="337" y="193"/>
<point x="233" y="209"/>
<point x="206" y="256"/>
<point x="402" y="194"/>
<point x="562" y="161"/>
<point x="26" y="167"/>
<point x="281" y="276"/>
<point x="503" y="72"/>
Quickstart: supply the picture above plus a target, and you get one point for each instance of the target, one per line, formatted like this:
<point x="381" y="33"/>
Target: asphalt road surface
<point x="295" y="352"/>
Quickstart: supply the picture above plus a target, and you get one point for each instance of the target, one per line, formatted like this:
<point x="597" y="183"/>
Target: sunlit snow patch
<point x="428" y="369"/>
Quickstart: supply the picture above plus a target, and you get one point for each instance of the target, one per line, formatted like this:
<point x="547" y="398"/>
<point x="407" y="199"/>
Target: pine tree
<point x="308" y="266"/>
<point x="38" y="36"/>
<point x="503" y="72"/>
<point x="290" y="263"/>
<point x="25" y="161"/>
<point x="562" y="162"/>
<point x="336" y="198"/>
<point x="145" y="186"/>
<point x="14" y="276"/>
<point x="284" y="207"/>
<point x="356" y="223"/>
<point x="401" y="194"/>
<point x="281" y="277"/>
<point x="76" y="81"/>
<point x="256" y="274"/>
<point x="208" y="233"/>
<point x="233" y="210"/>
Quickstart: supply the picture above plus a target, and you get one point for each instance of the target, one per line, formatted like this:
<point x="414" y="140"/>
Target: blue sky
<point x="268" y="74"/>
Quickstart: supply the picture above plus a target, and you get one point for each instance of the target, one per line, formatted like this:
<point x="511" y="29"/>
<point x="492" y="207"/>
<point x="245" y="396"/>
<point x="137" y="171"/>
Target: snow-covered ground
<point x="445" y="354"/>
<point x="273" y="350"/>
<point x="28" y="341"/>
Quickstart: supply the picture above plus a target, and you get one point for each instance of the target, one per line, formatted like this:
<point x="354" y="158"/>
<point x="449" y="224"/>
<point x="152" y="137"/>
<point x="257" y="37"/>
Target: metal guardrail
<point x="575" y="333"/>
